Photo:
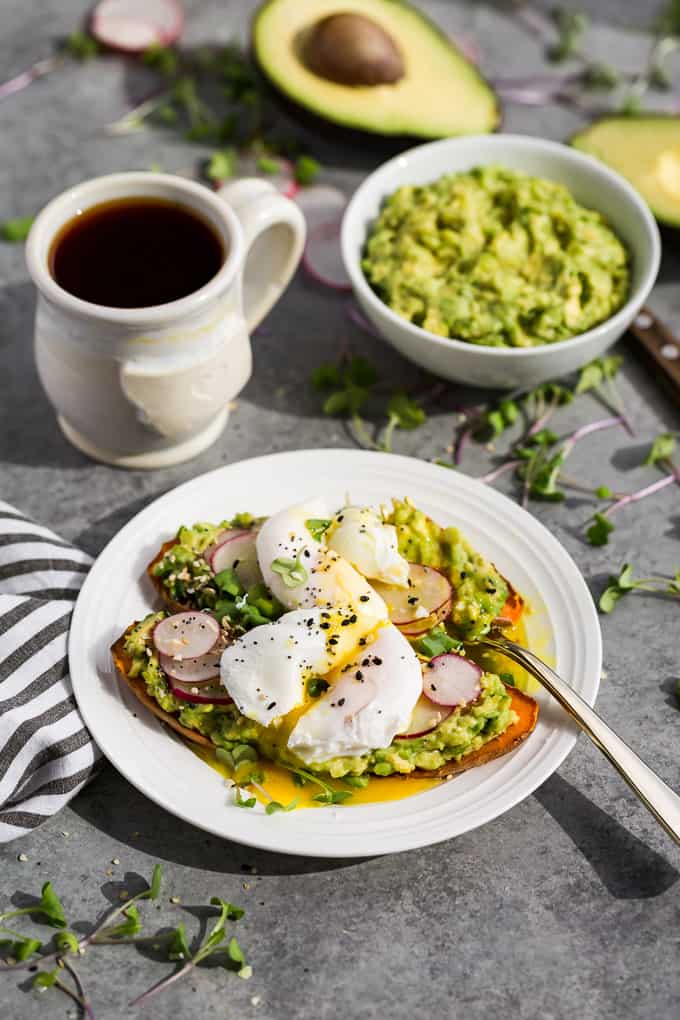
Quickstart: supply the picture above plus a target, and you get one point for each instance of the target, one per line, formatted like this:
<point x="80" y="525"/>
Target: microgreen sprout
<point x="17" y="229"/>
<point x="624" y="583"/>
<point x="292" y="572"/>
<point x="317" y="527"/>
<point x="328" y="795"/>
<point x="403" y="413"/>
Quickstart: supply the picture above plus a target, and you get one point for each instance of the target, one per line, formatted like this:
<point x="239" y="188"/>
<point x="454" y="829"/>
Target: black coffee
<point x="135" y="253"/>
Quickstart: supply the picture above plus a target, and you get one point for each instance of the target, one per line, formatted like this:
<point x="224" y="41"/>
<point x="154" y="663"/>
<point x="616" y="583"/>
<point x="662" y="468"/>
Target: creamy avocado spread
<point x="497" y="258"/>
<point x="480" y="593"/>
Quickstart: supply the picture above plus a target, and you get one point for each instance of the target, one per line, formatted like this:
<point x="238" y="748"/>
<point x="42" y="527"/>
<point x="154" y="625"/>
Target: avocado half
<point x="439" y="94"/>
<point x="645" y="149"/>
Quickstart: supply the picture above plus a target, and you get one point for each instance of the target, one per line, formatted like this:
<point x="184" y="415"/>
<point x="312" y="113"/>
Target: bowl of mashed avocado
<point x="499" y="260"/>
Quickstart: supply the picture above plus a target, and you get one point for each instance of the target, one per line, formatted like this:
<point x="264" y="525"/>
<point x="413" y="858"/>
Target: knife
<point x="661" y="348"/>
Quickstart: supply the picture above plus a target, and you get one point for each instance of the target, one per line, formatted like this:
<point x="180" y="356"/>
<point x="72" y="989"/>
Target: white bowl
<point x="591" y="183"/>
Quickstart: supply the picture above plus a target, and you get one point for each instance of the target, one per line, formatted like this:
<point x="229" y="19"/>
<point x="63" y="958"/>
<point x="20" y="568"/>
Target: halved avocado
<point x="646" y="150"/>
<point x="392" y="71"/>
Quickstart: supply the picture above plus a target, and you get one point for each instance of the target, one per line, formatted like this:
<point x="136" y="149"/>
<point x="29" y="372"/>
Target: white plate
<point x="564" y="623"/>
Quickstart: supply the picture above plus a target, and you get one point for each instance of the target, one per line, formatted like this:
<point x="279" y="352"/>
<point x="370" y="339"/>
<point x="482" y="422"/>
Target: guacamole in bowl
<point x="496" y="257"/>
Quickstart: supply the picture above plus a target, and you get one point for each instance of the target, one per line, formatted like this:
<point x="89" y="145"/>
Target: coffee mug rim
<point x="92" y="192"/>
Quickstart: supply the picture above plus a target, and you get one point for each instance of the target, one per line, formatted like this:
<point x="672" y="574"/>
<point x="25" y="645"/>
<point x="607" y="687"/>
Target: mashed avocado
<point x="479" y="590"/>
<point x="465" y="730"/>
<point x="480" y="593"/>
<point x="496" y="257"/>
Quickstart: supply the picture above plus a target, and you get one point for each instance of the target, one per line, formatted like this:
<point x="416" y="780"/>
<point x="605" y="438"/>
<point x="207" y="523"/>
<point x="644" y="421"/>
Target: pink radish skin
<point x="236" y="549"/>
<point x="186" y="635"/>
<point x="426" y="716"/>
<point x="131" y="27"/>
<point x="451" y="680"/>
<point x="426" y="601"/>
<point x="192" y="671"/>
<point x="322" y="259"/>
<point x="207" y="694"/>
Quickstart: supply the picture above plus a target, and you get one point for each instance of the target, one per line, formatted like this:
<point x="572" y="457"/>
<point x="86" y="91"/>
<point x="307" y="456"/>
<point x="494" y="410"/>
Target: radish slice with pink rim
<point x="452" y="680"/>
<point x="236" y="549"/>
<point x="425" y="602"/>
<point x="426" y="716"/>
<point x="132" y="27"/>
<point x="211" y="693"/>
<point x="192" y="671"/>
<point x="323" y="208"/>
<point x="186" y="635"/>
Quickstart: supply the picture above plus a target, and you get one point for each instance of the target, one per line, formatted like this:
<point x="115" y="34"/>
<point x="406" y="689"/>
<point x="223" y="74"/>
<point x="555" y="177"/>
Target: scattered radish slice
<point x="426" y="716"/>
<point x="212" y="693"/>
<point x="132" y="27"/>
<point x="321" y="205"/>
<point x="425" y="602"/>
<point x="236" y="549"/>
<point x="451" y="680"/>
<point x="323" y="258"/>
<point x="192" y="671"/>
<point x="186" y="635"/>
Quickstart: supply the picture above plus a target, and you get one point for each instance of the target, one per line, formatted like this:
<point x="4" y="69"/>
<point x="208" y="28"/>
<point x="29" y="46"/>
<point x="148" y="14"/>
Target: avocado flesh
<point x="645" y="150"/>
<point x="440" y="94"/>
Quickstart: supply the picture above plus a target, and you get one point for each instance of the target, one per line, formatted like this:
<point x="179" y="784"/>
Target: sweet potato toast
<point x="527" y="710"/>
<point x="525" y="707"/>
<point x="122" y="662"/>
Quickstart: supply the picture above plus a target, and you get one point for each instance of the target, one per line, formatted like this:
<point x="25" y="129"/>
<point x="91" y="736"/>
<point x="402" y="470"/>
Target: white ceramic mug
<point x="148" y="387"/>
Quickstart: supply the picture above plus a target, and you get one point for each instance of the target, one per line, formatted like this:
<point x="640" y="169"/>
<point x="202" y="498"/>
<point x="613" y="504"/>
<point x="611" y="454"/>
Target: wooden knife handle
<point x="661" y="347"/>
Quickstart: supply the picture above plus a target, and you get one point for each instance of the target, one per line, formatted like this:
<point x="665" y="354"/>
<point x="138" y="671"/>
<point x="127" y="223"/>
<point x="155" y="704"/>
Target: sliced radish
<point x="426" y="716"/>
<point x="321" y="205"/>
<point x="323" y="258"/>
<point x="212" y="693"/>
<point x="186" y="635"/>
<point x="452" y="680"/>
<point x="236" y="550"/>
<point x="192" y="671"/>
<point x="418" y="608"/>
<point x="132" y="27"/>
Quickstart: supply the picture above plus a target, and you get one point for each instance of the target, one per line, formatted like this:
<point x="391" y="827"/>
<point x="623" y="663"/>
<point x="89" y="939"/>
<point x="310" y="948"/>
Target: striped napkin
<point x="46" y="754"/>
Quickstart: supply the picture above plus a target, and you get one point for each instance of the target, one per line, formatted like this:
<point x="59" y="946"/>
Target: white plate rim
<point x="437" y="815"/>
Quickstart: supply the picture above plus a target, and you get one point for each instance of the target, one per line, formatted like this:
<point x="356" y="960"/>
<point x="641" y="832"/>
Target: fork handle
<point x="663" y="803"/>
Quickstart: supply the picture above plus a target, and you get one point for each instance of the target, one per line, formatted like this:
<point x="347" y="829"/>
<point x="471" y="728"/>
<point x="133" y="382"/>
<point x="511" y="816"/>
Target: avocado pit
<point x="351" y="49"/>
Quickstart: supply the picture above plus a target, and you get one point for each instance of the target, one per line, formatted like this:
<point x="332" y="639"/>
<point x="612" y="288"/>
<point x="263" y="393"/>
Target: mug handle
<point x="274" y="231"/>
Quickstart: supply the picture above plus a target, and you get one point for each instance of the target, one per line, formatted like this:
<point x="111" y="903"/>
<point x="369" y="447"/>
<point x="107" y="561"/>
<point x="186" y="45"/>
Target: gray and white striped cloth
<point x="46" y="754"/>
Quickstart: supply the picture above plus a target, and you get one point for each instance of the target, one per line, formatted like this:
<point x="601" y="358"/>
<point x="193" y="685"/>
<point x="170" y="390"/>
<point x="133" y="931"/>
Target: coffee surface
<point x="135" y="253"/>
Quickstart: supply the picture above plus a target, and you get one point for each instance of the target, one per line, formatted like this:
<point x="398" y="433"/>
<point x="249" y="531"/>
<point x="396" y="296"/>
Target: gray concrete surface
<point x="567" y="906"/>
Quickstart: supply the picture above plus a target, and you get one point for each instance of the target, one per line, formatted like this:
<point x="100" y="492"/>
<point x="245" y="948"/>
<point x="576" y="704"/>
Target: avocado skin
<point x="315" y="121"/>
<point x="671" y="224"/>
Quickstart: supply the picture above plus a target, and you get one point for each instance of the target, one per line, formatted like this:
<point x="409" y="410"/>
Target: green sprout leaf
<point x="44" y="979"/>
<point x="307" y="170"/>
<point x="603" y="492"/>
<point x="317" y="527"/>
<point x="267" y="165"/>
<point x="325" y="376"/>
<point x="178" y="947"/>
<point x="222" y="165"/>
<point x="316" y="686"/>
<point x="231" y="912"/>
<point x="162" y="59"/>
<point x="360" y="372"/>
<point x="661" y="449"/>
<point x="291" y="571"/>
<point x="81" y="46"/>
<point x="17" y="229"/>
<point x="599" y="531"/>
<point x="275" y="806"/>
<point x="570" y="26"/>
<point x="437" y="642"/>
<point x="155" y="886"/>
<point x="67" y="942"/>
<point x="244" y="802"/>
<point x="406" y="413"/>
